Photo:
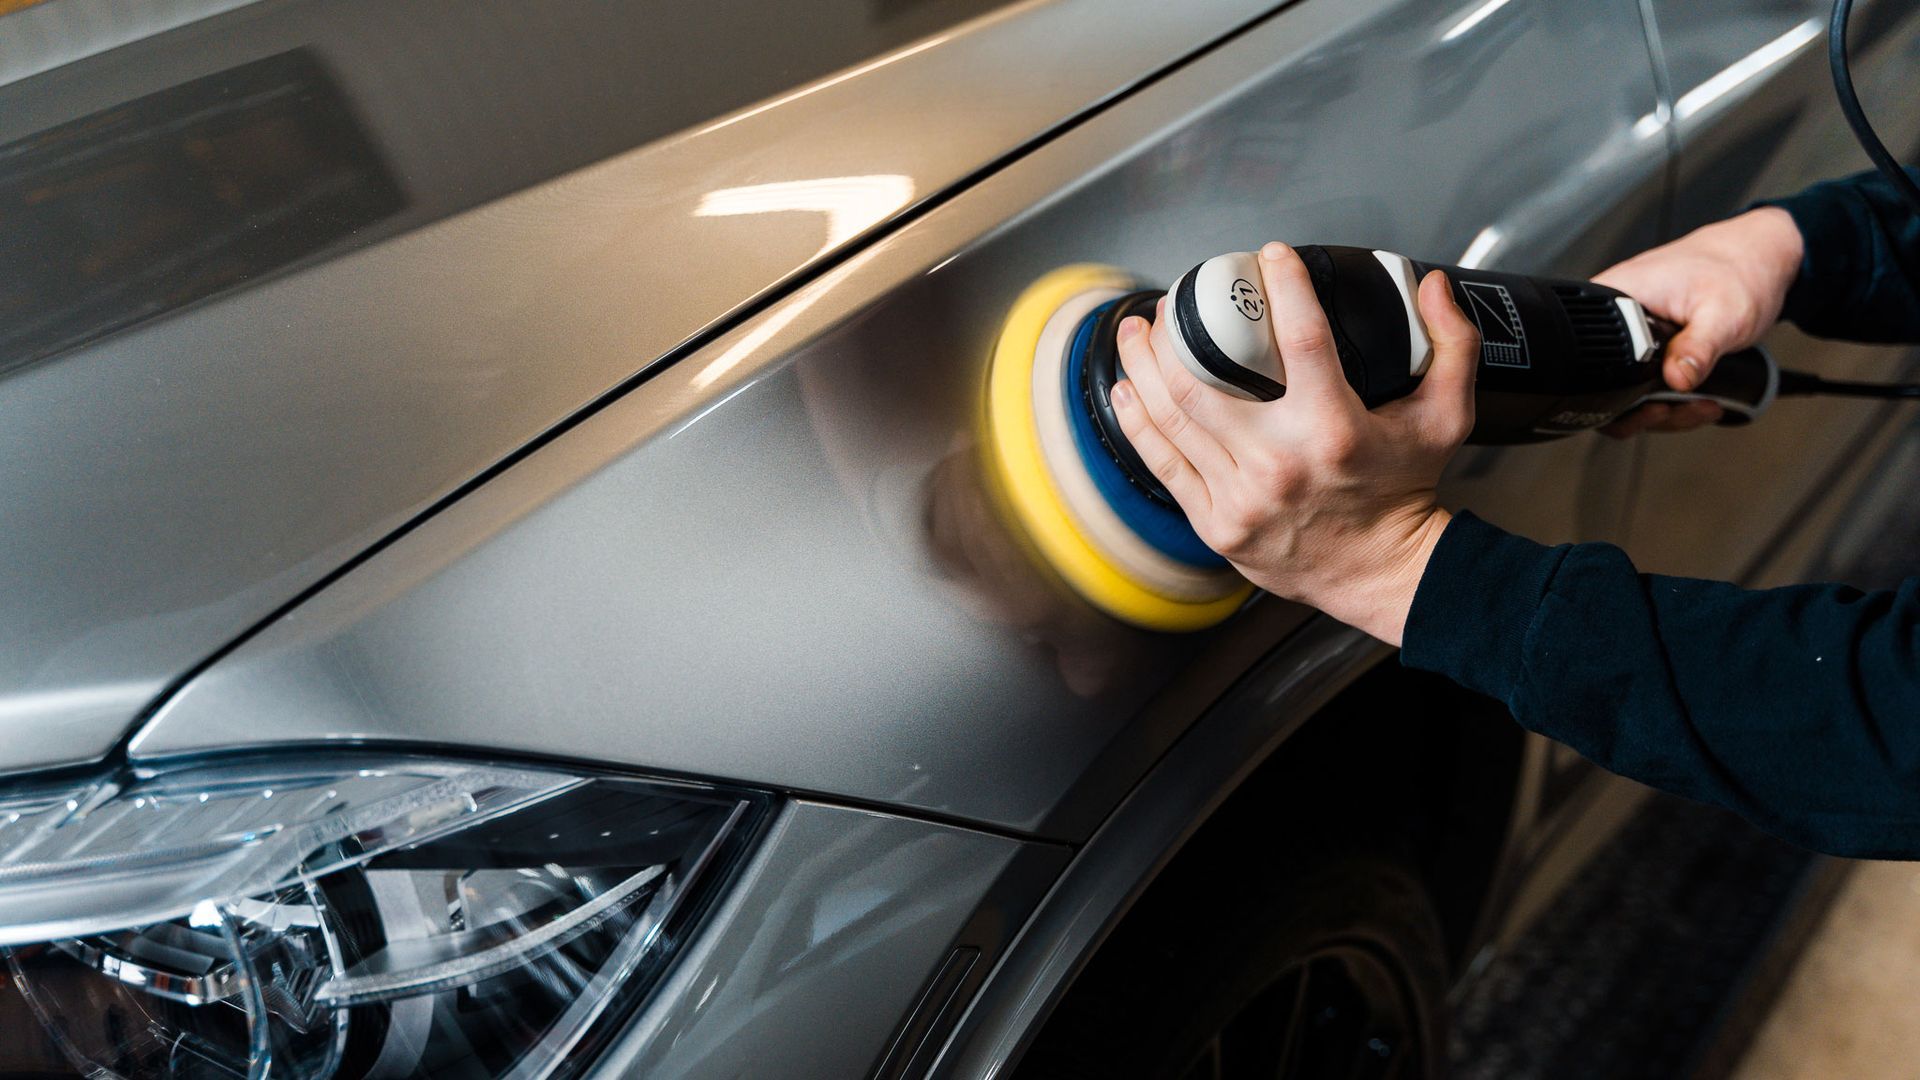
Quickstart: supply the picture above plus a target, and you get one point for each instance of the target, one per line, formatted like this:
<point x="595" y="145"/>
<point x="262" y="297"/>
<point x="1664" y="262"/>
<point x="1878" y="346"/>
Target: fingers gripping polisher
<point x="1557" y="357"/>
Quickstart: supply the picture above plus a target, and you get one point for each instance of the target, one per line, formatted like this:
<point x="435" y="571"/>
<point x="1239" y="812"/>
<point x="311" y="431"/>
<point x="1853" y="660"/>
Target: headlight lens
<point x="344" y="917"/>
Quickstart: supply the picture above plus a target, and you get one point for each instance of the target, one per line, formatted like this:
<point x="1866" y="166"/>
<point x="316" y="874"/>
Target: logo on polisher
<point x="1247" y="299"/>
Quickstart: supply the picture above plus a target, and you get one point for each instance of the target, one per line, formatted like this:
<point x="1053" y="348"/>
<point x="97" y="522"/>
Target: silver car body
<point x="618" y="438"/>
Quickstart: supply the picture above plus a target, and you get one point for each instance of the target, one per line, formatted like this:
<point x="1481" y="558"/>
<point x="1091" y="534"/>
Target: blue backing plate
<point x="1165" y="528"/>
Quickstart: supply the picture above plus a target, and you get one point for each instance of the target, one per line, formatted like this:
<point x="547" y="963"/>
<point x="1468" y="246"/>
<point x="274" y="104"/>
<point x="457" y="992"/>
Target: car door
<point x="1572" y="179"/>
<point x="1752" y="115"/>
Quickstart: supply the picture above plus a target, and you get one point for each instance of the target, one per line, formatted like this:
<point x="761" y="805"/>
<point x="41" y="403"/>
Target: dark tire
<point x="1314" y="968"/>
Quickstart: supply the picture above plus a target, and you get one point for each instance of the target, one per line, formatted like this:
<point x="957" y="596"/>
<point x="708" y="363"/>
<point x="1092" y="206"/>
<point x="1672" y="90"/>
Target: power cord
<point x="1802" y="384"/>
<point x="1889" y="167"/>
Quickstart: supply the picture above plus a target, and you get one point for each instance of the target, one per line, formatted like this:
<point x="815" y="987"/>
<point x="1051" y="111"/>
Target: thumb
<point x="1699" y="345"/>
<point x="1448" y="384"/>
<point x="1690" y="359"/>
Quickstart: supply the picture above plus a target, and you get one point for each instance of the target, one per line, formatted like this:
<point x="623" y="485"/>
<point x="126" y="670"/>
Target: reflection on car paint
<point x="851" y="204"/>
<point x="148" y="206"/>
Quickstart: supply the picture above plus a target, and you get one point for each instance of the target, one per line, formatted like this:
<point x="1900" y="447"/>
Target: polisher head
<point x="1060" y="475"/>
<point x="1221" y="329"/>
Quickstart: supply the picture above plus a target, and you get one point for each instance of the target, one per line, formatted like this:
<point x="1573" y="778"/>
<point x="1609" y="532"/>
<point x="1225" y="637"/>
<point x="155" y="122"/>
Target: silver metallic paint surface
<point x="47" y="36"/>
<point x="167" y="487"/>
<point x="810" y="964"/>
<point x="729" y="572"/>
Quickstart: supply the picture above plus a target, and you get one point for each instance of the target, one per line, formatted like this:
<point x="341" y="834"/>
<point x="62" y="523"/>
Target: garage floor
<point x="1851" y="1008"/>
<point x="1700" y="948"/>
<point x="1636" y="968"/>
<point x="1695" y="946"/>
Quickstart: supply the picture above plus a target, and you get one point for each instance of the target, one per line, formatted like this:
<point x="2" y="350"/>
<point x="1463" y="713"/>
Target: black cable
<point x="1889" y="167"/>
<point x="1801" y="384"/>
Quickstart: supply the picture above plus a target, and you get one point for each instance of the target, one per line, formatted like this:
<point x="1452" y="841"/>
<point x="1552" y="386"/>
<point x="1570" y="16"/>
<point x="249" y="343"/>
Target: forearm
<point x="1859" y="277"/>
<point x="1793" y="707"/>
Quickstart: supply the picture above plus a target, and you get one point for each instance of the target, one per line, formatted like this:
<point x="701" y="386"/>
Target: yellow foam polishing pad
<point x="1023" y="476"/>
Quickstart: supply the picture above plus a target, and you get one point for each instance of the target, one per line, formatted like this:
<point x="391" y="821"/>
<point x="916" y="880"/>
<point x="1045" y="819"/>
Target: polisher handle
<point x="1540" y="336"/>
<point x="1557" y="355"/>
<point x="1743" y="384"/>
<point x="1372" y="303"/>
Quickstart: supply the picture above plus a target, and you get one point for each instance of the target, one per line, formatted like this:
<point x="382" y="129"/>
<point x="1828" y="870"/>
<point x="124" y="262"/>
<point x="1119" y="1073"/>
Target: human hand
<point x="1724" y="284"/>
<point x="1312" y="497"/>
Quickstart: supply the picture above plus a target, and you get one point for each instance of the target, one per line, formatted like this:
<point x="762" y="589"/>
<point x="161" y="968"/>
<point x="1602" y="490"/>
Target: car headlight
<point x="342" y="916"/>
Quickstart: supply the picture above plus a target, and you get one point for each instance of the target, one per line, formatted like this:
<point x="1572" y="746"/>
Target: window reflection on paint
<point x="155" y="203"/>
<point x="1747" y="68"/>
<point x="850" y="205"/>
<point x="1473" y="18"/>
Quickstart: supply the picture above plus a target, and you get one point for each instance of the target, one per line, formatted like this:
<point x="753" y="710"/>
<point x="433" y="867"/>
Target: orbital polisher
<point x="1557" y="357"/>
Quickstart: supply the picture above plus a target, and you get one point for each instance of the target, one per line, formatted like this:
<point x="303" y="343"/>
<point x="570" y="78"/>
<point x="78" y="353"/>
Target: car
<point x="497" y="577"/>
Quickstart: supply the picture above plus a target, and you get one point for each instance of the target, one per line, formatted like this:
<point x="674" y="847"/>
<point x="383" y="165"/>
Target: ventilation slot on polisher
<point x="1599" y="330"/>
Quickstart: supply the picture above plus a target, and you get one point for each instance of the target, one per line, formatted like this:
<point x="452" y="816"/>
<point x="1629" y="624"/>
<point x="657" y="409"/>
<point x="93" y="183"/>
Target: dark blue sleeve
<point x="1798" y="708"/>
<point x="1860" y="278"/>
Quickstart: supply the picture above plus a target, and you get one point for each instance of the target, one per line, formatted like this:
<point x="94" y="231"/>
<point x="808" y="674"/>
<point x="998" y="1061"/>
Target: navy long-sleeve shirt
<point x="1860" y="277"/>
<point x="1799" y="707"/>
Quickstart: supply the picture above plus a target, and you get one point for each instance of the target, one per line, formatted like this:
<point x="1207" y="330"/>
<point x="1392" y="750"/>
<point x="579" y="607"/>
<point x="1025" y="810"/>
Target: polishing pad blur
<point x="1043" y="483"/>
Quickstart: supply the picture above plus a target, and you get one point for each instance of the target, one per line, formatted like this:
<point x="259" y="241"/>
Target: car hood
<point x="293" y="276"/>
